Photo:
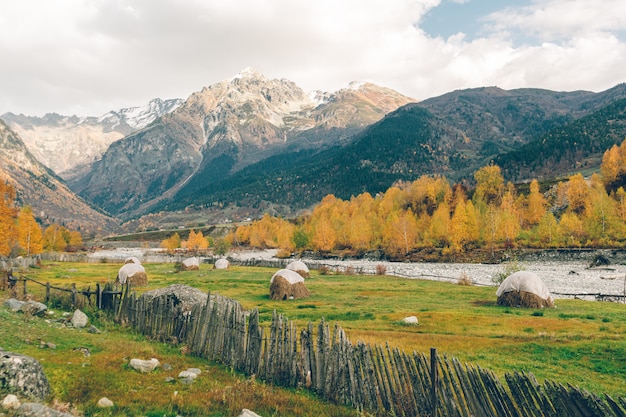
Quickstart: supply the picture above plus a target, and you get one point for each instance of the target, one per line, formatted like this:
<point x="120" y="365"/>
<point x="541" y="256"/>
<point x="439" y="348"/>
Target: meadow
<point x="578" y="342"/>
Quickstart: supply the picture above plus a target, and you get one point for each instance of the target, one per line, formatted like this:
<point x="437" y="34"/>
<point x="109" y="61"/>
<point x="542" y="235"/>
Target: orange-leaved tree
<point x="29" y="232"/>
<point x="8" y="213"/>
<point x="171" y="243"/>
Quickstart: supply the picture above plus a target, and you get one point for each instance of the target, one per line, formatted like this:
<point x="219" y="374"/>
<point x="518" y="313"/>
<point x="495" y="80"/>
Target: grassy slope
<point x="579" y="342"/>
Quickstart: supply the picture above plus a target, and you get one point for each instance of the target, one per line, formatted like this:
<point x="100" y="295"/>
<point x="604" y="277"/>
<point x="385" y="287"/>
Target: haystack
<point x="524" y="289"/>
<point x="287" y="285"/>
<point x="132" y="260"/>
<point x="222" y="263"/>
<point x="134" y="273"/>
<point x="300" y="267"/>
<point x="191" y="264"/>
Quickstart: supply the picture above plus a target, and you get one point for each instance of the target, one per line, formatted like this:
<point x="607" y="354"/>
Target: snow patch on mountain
<point x="140" y="117"/>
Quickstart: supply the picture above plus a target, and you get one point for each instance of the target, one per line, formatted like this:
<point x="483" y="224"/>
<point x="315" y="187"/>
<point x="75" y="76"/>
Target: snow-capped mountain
<point x="66" y="144"/>
<point x="139" y="117"/>
<point x="224" y="128"/>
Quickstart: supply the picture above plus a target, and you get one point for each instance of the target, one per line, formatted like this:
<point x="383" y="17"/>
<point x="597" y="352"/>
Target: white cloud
<point x="91" y="56"/>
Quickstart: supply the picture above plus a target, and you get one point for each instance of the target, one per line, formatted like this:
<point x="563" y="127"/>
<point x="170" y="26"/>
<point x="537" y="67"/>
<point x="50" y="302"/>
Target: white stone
<point x="104" y="402"/>
<point x="187" y="374"/>
<point x="79" y="319"/>
<point x="11" y="402"/>
<point x="410" y="320"/>
<point x="247" y="413"/>
<point x="144" y="366"/>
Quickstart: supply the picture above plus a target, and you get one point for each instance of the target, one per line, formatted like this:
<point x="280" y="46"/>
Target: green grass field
<point x="579" y="342"/>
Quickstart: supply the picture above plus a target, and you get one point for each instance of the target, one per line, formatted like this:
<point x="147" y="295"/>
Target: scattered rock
<point x="144" y="366"/>
<point x="13" y="304"/>
<point x="11" y="402"/>
<point x="187" y="381"/>
<point x="167" y="367"/>
<point x="38" y="410"/>
<point x="187" y="374"/>
<point x="47" y="345"/>
<point x="195" y="371"/>
<point x="85" y="351"/>
<point x="34" y="308"/>
<point x="410" y="320"/>
<point x="170" y="380"/>
<point x="79" y="319"/>
<point x="23" y="375"/>
<point x="247" y="413"/>
<point x="600" y="260"/>
<point x="182" y="297"/>
<point x="104" y="402"/>
<point x="93" y="329"/>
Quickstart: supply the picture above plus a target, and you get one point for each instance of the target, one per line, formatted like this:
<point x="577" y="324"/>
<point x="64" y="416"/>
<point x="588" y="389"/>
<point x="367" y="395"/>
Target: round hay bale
<point x="132" y="260"/>
<point x="287" y="285"/>
<point x="300" y="267"/>
<point x="222" y="263"/>
<point x="134" y="273"/>
<point x="191" y="264"/>
<point x="524" y="289"/>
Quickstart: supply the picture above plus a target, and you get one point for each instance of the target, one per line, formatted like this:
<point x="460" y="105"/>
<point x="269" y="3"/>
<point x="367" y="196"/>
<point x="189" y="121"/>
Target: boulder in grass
<point x="301" y="268"/>
<point x="286" y="284"/>
<point x="144" y="366"/>
<point x="22" y="375"/>
<point x="79" y="319"/>
<point x="191" y="264"/>
<point x="134" y="273"/>
<point x="39" y="410"/>
<point x="524" y="289"/>
<point x="181" y="297"/>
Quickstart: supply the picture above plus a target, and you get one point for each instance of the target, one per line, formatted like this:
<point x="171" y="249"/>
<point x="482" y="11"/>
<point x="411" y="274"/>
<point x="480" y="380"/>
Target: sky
<point x="87" y="57"/>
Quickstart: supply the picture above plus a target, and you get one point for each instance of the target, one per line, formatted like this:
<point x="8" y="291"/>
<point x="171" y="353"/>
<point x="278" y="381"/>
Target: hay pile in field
<point x="524" y="289"/>
<point x="222" y="263"/>
<point x="134" y="273"/>
<point x="191" y="264"/>
<point x="300" y="267"/>
<point x="287" y="285"/>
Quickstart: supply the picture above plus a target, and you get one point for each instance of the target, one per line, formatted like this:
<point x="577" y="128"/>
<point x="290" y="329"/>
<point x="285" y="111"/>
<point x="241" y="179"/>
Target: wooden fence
<point x="375" y="378"/>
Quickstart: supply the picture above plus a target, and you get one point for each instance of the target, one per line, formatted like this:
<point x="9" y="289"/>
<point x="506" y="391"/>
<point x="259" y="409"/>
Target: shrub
<point x="464" y="279"/>
<point x="381" y="269"/>
<point x="508" y="269"/>
<point x="324" y="270"/>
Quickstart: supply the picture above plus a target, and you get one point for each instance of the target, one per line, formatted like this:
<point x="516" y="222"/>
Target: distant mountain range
<point x="223" y="129"/>
<point x="531" y="133"/>
<point x="68" y="145"/>
<point x="254" y="142"/>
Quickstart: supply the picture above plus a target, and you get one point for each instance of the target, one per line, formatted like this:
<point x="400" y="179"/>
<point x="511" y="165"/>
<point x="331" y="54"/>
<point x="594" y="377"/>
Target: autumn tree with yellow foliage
<point x="8" y="213"/>
<point x="428" y="213"/>
<point x="30" y="237"/>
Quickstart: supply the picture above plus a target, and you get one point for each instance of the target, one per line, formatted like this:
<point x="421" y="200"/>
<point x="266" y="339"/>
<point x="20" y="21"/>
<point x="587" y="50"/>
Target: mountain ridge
<point x="50" y="198"/>
<point x="69" y="144"/>
<point x="222" y="129"/>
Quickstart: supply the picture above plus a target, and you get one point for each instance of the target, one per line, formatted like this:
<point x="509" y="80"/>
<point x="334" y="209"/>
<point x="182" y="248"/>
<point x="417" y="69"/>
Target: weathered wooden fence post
<point x="25" y="291"/>
<point x="47" y="292"/>
<point x="74" y="297"/>
<point x="434" y="381"/>
<point x="98" y="296"/>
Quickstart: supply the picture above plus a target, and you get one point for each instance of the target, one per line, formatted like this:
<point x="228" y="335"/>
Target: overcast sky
<point x="87" y="57"/>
